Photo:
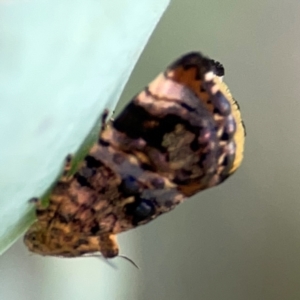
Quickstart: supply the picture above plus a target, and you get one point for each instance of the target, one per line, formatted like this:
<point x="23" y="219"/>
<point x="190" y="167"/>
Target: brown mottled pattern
<point x="182" y="134"/>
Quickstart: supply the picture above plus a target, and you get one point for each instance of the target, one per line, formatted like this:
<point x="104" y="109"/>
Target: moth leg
<point x="109" y="247"/>
<point x="37" y="202"/>
<point x="104" y="116"/>
<point x="41" y="210"/>
<point x="67" y="167"/>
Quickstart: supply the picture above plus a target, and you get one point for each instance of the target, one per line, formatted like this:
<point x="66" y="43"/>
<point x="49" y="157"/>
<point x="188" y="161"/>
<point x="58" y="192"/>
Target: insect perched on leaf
<point x="182" y="134"/>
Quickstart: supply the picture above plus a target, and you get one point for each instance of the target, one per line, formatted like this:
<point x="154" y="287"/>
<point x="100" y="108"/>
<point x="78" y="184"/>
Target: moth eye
<point x="33" y="238"/>
<point x="140" y="210"/>
<point x="129" y="186"/>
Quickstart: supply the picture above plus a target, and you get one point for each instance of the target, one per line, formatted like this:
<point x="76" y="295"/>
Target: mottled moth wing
<point x="183" y="133"/>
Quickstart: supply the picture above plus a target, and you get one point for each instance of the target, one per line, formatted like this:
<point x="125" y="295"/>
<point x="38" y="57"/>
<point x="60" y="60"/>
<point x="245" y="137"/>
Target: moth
<point x="182" y="134"/>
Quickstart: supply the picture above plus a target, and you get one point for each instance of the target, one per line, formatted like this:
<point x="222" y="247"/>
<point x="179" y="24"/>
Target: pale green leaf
<point x="61" y="63"/>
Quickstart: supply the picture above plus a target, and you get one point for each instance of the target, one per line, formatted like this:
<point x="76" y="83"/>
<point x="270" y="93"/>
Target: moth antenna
<point x="99" y="256"/>
<point x="130" y="260"/>
<point x="109" y="262"/>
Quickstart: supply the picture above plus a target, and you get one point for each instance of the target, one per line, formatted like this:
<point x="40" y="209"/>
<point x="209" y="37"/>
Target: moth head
<point x="35" y="240"/>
